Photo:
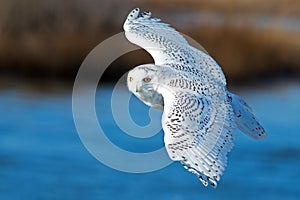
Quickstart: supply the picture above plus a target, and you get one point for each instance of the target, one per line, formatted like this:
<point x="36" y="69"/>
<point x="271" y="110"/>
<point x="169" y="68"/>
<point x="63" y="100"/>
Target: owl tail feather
<point x="245" y="119"/>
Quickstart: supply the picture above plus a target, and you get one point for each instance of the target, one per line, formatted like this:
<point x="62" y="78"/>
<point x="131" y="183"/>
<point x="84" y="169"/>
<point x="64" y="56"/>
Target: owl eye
<point x="130" y="79"/>
<point x="147" y="80"/>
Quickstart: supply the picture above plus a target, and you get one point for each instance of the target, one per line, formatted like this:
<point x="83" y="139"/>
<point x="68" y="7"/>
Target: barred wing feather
<point x="198" y="133"/>
<point x="166" y="45"/>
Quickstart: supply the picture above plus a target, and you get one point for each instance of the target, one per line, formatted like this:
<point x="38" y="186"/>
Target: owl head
<point x="143" y="81"/>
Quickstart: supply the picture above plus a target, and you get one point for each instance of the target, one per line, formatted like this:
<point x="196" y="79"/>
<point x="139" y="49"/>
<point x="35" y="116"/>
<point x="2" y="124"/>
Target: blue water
<point x="42" y="157"/>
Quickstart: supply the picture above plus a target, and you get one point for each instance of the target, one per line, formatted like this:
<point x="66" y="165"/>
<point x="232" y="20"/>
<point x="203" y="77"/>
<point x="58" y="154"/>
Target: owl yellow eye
<point x="147" y="80"/>
<point x="130" y="79"/>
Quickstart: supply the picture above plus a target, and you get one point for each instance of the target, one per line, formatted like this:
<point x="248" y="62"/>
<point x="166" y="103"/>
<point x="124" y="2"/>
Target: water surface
<point x="42" y="157"/>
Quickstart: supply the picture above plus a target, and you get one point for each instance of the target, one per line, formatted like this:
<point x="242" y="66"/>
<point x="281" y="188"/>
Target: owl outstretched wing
<point x="166" y="45"/>
<point x="198" y="132"/>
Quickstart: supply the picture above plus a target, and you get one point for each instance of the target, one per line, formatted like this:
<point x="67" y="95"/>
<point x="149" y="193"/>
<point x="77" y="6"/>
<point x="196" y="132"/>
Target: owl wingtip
<point x="212" y="182"/>
<point x="131" y="16"/>
<point x="134" y="13"/>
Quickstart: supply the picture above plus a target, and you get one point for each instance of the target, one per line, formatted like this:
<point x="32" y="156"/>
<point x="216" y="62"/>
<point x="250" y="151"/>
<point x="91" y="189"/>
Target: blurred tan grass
<point x="51" y="37"/>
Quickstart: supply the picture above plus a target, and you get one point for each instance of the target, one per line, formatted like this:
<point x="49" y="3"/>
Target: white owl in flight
<point x="200" y="114"/>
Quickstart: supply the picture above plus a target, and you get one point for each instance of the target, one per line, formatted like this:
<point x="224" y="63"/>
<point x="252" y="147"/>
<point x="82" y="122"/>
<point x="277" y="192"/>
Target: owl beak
<point x="138" y="87"/>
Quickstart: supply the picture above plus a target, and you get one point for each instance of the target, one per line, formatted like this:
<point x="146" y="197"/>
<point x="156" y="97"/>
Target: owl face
<point x="142" y="81"/>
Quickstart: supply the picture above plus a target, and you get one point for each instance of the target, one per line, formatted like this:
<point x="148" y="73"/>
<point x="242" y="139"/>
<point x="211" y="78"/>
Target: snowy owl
<point x="199" y="113"/>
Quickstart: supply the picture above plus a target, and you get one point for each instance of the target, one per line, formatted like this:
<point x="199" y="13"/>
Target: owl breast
<point x="151" y="98"/>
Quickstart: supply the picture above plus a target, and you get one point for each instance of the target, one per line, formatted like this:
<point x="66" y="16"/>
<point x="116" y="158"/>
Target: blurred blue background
<point x="42" y="44"/>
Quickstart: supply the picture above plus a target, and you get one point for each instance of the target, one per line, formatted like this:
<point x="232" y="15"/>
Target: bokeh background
<point x="42" y="45"/>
